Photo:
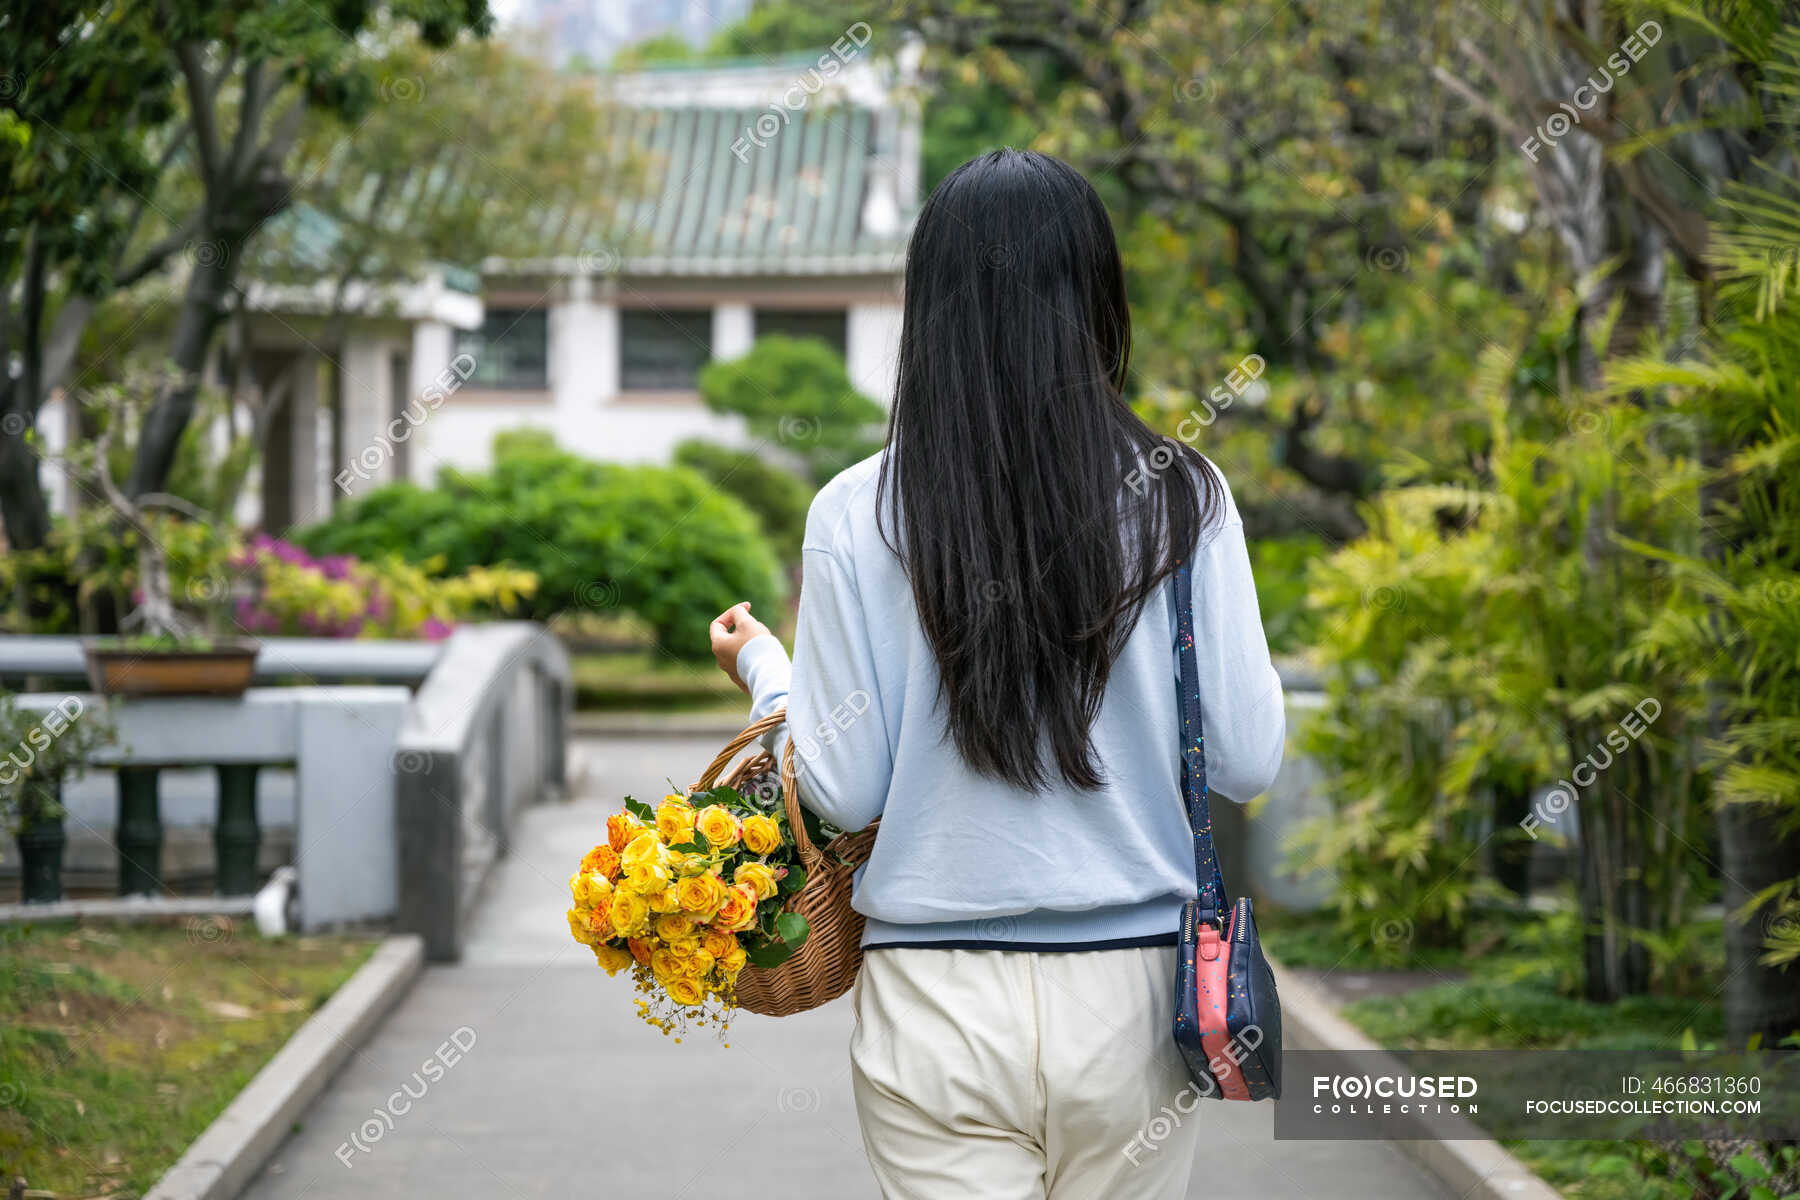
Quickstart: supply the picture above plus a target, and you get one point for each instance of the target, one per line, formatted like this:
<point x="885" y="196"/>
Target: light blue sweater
<point x="961" y="857"/>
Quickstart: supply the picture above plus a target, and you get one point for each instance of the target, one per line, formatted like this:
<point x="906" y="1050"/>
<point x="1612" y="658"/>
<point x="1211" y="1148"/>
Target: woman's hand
<point x="730" y="630"/>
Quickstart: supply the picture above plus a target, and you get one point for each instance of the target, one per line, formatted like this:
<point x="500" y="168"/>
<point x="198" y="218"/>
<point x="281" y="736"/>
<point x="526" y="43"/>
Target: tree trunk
<point x="202" y="311"/>
<point x="1756" y="854"/>
<point x="22" y="504"/>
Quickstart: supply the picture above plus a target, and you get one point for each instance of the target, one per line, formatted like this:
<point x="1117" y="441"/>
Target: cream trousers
<point x="1012" y="1075"/>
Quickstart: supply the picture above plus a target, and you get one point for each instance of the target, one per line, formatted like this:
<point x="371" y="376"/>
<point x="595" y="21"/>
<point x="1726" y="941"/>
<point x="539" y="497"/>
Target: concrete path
<point x="563" y="1092"/>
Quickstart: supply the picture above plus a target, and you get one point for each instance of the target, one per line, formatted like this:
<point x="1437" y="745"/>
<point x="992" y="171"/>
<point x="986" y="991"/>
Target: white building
<point x="776" y="198"/>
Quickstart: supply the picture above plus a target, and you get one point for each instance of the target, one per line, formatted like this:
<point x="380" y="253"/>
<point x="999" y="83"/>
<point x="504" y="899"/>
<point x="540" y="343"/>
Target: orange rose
<point x="640" y="950"/>
<point x="738" y="910"/>
<point x="717" y="942"/>
<point x="602" y="861"/>
<point x="620" y="829"/>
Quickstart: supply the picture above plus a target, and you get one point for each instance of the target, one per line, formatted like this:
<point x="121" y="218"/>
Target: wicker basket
<point x="827" y="962"/>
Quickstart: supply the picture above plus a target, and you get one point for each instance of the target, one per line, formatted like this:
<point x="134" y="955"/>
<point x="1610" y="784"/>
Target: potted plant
<point x="163" y="650"/>
<point x="41" y="750"/>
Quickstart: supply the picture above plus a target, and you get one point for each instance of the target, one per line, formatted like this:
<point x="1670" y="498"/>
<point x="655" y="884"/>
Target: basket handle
<point x="810" y="855"/>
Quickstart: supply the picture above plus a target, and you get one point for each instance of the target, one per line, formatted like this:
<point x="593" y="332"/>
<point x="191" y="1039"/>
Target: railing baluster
<point x="236" y="835"/>
<point x="140" y="833"/>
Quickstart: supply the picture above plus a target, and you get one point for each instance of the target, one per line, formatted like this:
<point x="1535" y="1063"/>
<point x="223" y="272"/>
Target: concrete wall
<point x="583" y="405"/>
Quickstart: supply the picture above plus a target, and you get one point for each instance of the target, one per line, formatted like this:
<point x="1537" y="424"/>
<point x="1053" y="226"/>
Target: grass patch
<point x="119" y="1044"/>
<point x="1517" y="986"/>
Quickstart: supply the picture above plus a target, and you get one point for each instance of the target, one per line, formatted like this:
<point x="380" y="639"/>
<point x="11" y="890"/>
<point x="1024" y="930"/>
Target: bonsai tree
<point x="156" y="621"/>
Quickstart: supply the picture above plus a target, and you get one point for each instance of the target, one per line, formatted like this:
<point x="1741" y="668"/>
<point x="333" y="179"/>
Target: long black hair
<point x="1033" y="510"/>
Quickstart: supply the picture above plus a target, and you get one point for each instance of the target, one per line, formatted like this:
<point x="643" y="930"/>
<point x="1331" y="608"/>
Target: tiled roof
<point x="720" y="183"/>
<point x="792" y="205"/>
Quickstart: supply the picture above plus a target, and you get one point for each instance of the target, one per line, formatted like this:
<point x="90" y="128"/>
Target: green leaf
<point x="767" y="954"/>
<point x="815" y="829"/>
<point x="1748" y="1166"/>
<point x="793" y="881"/>
<point x="640" y="810"/>
<point x="697" y="846"/>
<point x="728" y="796"/>
<point x="792" y="928"/>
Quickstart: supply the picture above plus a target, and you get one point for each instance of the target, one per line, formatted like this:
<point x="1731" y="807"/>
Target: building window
<point x="662" y="350"/>
<point x="511" y="349"/>
<point x="827" y="326"/>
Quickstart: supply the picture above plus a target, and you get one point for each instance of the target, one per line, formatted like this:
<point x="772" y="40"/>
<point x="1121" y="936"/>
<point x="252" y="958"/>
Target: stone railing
<point x="399" y="798"/>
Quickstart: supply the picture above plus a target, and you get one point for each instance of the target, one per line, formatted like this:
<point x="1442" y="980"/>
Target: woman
<point x="985" y="659"/>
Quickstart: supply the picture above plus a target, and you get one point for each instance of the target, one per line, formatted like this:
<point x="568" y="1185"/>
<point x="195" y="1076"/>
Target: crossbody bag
<point x="1227" y="1015"/>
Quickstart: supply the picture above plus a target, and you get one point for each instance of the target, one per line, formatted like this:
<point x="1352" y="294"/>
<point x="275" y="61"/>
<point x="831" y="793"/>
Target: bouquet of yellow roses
<point x="686" y="895"/>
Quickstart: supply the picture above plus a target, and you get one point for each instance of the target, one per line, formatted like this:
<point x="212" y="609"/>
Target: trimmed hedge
<point x="659" y="542"/>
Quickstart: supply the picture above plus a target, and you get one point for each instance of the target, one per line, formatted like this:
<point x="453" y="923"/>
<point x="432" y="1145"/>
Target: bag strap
<point x="1209" y="881"/>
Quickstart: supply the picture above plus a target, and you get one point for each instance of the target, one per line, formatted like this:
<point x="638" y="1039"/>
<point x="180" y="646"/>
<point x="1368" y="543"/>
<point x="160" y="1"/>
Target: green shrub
<point x="1479" y="641"/>
<point x="1280" y="565"/>
<point x="794" y="393"/>
<point x="778" y="498"/>
<point x="658" y="542"/>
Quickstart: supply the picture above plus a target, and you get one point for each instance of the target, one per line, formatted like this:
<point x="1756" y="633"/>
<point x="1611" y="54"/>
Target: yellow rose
<point x="758" y="876"/>
<point x="675" y="821"/>
<point x="738" y="910"/>
<point x="589" y="888"/>
<point x="648" y="880"/>
<point x="664" y="965"/>
<point x="761" y="834"/>
<point x="629" y="912"/>
<point x="613" y="958"/>
<point x="685" y="990"/>
<point x="701" y="895"/>
<point x="732" y="963"/>
<point x="686" y="864"/>
<point x="644" y="850"/>
<point x="620" y="829"/>
<point x="665" y="901"/>
<point x="578" y="926"/>
<point x="697" y="964"/>
<point x="603" y="861"/>
<point x="719" y="826"/>
<point x="717" y="942"/>
<point x="673" y="928"/>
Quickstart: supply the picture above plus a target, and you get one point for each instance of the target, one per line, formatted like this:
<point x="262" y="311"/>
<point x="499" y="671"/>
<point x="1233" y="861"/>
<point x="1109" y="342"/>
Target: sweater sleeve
<point x="841" y="752"/>
<point x="1241" y="704"/>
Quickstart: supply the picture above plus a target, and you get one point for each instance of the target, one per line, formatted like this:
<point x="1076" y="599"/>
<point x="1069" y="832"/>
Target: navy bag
<point x="1227" y="1015"/>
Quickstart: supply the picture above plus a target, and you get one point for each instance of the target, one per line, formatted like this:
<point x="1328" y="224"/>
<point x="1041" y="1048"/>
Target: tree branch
<point x="200" y="100"/>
